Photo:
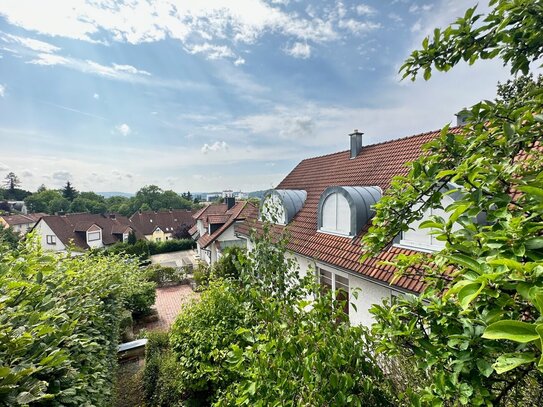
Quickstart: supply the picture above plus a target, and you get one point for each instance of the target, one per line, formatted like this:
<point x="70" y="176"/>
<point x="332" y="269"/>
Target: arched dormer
<point x="281" y="205"/>
<point x="345" y="210"/>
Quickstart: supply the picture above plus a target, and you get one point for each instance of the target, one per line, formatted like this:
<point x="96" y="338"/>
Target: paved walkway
<point x="175" y="259"/>
<point x="169" y="301"/>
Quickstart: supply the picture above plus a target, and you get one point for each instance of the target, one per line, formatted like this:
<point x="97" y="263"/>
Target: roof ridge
<point x="426" y="133"/>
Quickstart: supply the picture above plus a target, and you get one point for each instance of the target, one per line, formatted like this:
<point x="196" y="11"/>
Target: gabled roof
<point x="72" y="227"/>
<point x="147" y="221"/>
<point x="375" y="165"/>
<point x="19" y="219"/>
<point x="240" y="211"/>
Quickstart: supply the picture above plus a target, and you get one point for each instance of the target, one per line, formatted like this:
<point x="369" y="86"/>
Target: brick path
<point x="168" y="305"/>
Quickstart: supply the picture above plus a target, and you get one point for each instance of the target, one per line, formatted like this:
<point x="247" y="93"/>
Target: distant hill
<point x="110" y="194"/>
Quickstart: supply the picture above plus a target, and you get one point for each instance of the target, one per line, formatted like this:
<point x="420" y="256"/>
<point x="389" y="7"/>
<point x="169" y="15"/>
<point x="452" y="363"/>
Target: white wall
<point x="42" y="229"/>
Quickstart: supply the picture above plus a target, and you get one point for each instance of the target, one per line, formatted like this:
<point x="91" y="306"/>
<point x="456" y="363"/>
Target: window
<point x="337" y="283"/>
<point x="51" y="239"/>
<point x="281" y="205"/>
<point x="158" y="239"/>
<point x="336" y="214"/>
<point x="345" y="210"/>
<point x="94" y="236"/>
<point x="422" y="238"/>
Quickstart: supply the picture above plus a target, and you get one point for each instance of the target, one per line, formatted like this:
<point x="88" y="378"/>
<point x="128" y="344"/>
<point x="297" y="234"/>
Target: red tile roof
<point x="147" y="221"/>
<point x="240" y="211"/>
<point x="71" y="228"/>
<point x="19" y="219"/>
<point x="375" y="165"/>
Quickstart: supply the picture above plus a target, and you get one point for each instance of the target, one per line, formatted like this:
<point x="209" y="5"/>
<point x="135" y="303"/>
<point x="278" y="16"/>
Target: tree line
<point x="69" y="200"/>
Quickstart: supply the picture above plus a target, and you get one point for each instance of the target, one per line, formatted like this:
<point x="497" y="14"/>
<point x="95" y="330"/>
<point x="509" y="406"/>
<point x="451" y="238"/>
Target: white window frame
<point x="334" y="276"/>
<point x="92" y="233"/>
<point x="51" y="239"/>
<point x="335" y="231"/>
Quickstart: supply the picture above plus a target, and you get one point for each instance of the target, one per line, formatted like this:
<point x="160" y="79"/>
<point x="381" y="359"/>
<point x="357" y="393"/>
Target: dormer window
<point x="423" y="239"/>
<point x="281" y="205"/>
<point x="345" y="210"/>
<point x="94" y="236"/>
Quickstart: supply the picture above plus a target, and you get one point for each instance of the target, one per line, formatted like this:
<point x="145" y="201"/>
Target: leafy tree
<point x="69" y="192"/>
<point x="132" y="239"/>
<point x="59" y="204"/>
<point x="9" y="238"/>
<point x="92" y="196"/>
<point x="41" y="201"/>
<point x="476" y="338"/>
<point x="41" y="188"/>
<point x="12" y="181"/>
<point x="182" y="232"/>
<point x="79" y="205"/>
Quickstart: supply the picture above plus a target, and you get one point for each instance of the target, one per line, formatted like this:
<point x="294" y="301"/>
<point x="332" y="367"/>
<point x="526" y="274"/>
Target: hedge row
<point x="145" y="248"/>
<point x="59" y="324"/>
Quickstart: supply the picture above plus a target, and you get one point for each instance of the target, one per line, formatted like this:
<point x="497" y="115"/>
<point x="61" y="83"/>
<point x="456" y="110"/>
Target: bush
<point x="201" y="338"/>
<point x="164" y="275"/>
<point x="144" y="248"/>
<point x="160" y="373"/>
<point x="60" y="319"/>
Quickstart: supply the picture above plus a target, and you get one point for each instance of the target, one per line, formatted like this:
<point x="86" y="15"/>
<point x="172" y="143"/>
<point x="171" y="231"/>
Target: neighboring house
<point x="18" y="206"/>
<point x="20" y="224"/>
<point x="326" y="202"/>
<point x="83" y="231"/>
<point x="160" y="226"/>
<point x="214" y="228"/>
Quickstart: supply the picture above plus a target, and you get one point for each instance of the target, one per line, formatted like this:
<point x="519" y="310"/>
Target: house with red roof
<point x="20" y="223"/>
<point x="159" y="226"/>
<point x="214" y="227"/>
<point x="326" y="204"/>
<point x="83" y="231"/>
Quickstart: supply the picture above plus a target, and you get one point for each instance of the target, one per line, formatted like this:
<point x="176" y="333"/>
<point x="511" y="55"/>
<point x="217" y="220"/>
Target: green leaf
<point x="468" y="293"/>
<point x="512" y="264"/>
<point x="484" y="367"/>
<point x="516" y="331"/>
<point x="510" y="361"/>
<point x="534" y="243"/>
<point x="537" y="192"/>
<point x="465" y="261"/>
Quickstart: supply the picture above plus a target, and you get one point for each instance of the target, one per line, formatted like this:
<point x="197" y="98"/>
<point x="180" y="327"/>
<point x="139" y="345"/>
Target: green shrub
<point x="140" y="297"/>
<point x="201" y="275"/>
<point x="144" y="248"/>
<point x="164" y="275"/>
<point x="201" y="338"/>
<point x="60" y="323"/>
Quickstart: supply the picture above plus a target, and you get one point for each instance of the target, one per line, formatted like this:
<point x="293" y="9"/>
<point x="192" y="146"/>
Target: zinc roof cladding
<point x="147" y="221"/>
<point x="64" y="227"/>
<point x="375" y="165"/>
<point x="240" y="211"/>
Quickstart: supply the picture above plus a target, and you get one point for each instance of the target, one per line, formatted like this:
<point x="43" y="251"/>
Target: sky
<point x="212" y="95"/>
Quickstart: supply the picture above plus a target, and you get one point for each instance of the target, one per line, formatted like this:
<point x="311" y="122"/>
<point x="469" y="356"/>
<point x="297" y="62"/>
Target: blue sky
<point x="211" y="95"/>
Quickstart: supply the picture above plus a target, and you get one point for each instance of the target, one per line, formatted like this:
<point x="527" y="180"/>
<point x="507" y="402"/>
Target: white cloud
<point x="211" y="51"/>
<point x="142" y="21"/>
<point x="3" y="167"/>
<point x="130" y="69"/>
<point x="365" y="10"/>
<point x="2" y="91"/>
<point x="123" y="129"/>
<point x="417" y="27"/>
<point x="299" y="50"/>
<point x="29" y="43"/>
<point x="62" y="175"/>
<point x="216" y="146"/>
<point x="49" y="59"/>
<point x="239" y="61"/>
<point x="27" y="173"/>
<point x="358" y="27"/>
<point x="96" y="96"/>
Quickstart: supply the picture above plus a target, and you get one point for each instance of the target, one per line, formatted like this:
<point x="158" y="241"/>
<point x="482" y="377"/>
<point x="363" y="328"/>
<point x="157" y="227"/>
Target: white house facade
<point x="326" y="204"/>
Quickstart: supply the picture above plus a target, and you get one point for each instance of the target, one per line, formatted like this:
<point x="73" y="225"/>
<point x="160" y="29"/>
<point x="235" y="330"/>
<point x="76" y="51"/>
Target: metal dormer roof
<point x="360" y="199"/>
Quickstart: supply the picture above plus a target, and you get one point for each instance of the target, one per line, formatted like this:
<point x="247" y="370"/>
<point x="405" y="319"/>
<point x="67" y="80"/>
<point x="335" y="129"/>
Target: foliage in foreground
<point x="477" y="339"/>
<point x="59" y="325"/>
<point x="255" y="340"/>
